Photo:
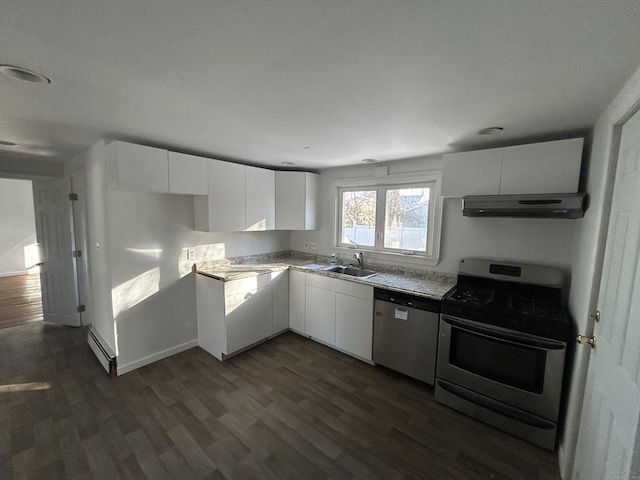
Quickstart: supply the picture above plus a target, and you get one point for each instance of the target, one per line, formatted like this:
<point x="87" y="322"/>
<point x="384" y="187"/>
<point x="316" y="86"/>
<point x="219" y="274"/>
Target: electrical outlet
<point x="312" y="245"/>
<point x="191" y="254"/>
<point x="306" y="245"/>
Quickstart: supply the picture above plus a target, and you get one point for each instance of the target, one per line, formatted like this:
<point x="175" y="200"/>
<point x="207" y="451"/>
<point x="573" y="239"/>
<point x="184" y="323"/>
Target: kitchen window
<point x="392" y="215"/>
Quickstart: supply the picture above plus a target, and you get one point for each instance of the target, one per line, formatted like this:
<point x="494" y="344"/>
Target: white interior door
<point x="54" y="234"/>
<point x="607" y="441"/>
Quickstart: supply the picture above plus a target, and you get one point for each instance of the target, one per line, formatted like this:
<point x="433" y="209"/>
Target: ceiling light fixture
<point x="288" y="164"/>
<point x="4" y="143"/>
<point x="369" y="160"/>
<point x="490" y="130"/>
<point x="23" y="74"/>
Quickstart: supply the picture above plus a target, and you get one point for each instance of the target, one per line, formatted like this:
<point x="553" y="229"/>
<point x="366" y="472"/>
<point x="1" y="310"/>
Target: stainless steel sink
<point x="351" y="271"/>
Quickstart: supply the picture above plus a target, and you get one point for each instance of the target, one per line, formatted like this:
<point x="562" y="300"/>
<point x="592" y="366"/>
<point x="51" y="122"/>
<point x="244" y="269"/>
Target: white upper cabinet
<point x="137" y="168"/>
<point x="223" y="209"/>
<point x="260" y="202"/>
<point x="548" y="167"/>
<point x="472" y="173"/>
<point x="297" y="201"/>
<point x="187" y="174"/>
<point x="240" y="198"/>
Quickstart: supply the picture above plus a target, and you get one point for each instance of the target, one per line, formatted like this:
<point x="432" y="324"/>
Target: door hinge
<point x="73" y="197"/>
<point x="585" y="340"/>
<point x="76" y="254"/>
<point x="595" y="315"/>
<point x="81" y="308"/>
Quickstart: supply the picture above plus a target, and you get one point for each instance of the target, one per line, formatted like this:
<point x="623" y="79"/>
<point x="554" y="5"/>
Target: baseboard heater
<point x="101" y="350"/>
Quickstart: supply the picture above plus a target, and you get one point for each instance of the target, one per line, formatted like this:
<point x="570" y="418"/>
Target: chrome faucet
<point x="360" y="258"/>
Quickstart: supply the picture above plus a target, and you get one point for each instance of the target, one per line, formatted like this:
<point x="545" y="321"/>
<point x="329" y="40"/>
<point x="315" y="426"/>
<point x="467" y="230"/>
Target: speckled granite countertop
<point x="423" y="283"/>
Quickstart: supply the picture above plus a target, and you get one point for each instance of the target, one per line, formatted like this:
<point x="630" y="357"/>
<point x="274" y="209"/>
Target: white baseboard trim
<point x="14" y="274"/>
<point x="122" y="369"/>
<point x="102" y="351"/>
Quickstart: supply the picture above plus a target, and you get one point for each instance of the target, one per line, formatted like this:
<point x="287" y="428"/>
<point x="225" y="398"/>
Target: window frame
<point x="430" y="180"/>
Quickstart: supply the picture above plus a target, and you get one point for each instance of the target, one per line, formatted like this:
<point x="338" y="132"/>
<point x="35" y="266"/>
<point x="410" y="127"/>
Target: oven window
<point x="518" y="366"/>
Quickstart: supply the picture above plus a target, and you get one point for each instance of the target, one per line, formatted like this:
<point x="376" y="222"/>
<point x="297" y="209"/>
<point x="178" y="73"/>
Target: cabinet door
<point x="297" y="201"/>
<point x="549" y="167"/>
<point x="137" y="168"/>
<point x="321" y="314"/>
<point x="260" y="211"/>
<point x="472" y="173"/>
<point x="297" y="301"/>
<point x="248" y="317"/>
<point x="210" y="312"/>
<point x="354" y="325"/>
<point x="290" y="200"/>
<point x="187" y="174"/>
<point x="280" y="289"/>
<point x="312" y="201"/>
<point x="222" y="210"/>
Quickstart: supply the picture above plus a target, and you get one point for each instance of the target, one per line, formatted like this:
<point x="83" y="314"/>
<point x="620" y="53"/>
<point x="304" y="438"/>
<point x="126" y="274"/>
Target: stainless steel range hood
<point x="560" y="205"/>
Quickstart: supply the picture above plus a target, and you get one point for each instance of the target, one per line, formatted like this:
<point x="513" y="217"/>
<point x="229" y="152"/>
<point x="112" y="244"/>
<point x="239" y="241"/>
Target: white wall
<point x="153" y="289"/>
<point x="589" y="250"/>
<point x="98" y="233"/>
<point x="17" y="221"/>
<point x="539" y="241"/>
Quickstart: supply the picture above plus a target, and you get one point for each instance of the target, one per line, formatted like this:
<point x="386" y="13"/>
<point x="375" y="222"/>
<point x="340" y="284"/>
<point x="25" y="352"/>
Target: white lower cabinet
<point x="354" y="325"/>
<point x="248" y="317"/>
<point x="297" y="301"/>
<point x="233" y="315"/>
<point x="236" y="314"/>
<point x="320" y="314"/>
<point x="340" y="313"/>
<point x="280" y="290"/>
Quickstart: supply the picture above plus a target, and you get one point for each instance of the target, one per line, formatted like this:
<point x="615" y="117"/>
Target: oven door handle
<point x="510" y="337"/>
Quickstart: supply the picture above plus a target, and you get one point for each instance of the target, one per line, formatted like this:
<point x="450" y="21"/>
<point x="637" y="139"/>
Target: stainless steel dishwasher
<point x="405" y="334"/>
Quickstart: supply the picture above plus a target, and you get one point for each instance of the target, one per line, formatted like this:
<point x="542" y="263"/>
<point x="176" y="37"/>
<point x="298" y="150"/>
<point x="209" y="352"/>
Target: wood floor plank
<point x="100" y="462"/>
<point x="146" y="456"/>
<point x="20" y="300"/>
<point x="192" y="451"/>
<point x="288" y="408"/>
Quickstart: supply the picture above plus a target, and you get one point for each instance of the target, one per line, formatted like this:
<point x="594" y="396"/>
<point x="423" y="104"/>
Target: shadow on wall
<point x="150" y="321"/>
<point x="155" y="311"/>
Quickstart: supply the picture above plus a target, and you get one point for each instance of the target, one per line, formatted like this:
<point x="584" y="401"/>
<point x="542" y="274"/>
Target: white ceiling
<point x="257" y="81"/>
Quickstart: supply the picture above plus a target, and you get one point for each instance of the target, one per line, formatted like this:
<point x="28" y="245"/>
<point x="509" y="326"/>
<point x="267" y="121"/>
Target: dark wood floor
<point x="287" y="409"/>
<point x="20" y="300"/>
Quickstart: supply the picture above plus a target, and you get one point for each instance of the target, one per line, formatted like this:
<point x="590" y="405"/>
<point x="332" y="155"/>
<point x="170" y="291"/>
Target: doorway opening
<point x="20" y="292"/>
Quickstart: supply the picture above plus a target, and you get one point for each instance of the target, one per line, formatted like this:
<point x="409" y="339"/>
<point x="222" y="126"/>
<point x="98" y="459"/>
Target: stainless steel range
<point x="502" y="347"/>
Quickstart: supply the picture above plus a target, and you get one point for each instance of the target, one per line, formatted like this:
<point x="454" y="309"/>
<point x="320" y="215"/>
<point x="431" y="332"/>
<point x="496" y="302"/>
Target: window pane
<point x="359" y="218"/>
<point x="406" y="219"/>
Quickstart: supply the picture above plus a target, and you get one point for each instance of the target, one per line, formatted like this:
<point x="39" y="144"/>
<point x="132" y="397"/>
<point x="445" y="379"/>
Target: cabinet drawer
<point x="247" y="284"/>
<point x="341" y="286"/>
<point x="354" y="289"/>
<point x="320" y="281"/>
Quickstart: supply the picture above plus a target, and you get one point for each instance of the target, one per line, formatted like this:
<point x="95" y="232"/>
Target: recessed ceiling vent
<point x="23" y="74"/>
<point x="490" y="130"/>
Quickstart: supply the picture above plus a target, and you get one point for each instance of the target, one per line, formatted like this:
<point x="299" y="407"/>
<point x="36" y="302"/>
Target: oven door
<point x="516" y="368"/>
